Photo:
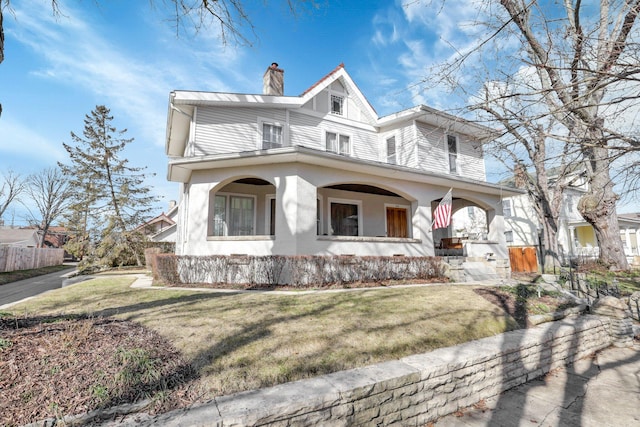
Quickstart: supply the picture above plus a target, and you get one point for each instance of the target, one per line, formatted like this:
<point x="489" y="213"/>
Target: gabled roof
<point x="160" y="218"/>
<point x="629" y="218"/>
<point x="440" y="119"/>
<point x="339" y="73"/>
<point x="18" y="236"/>
<point x="182" y="104"/>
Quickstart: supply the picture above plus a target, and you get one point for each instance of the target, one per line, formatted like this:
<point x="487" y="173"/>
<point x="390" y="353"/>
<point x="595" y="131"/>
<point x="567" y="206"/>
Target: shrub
<point x="298" y="271"/>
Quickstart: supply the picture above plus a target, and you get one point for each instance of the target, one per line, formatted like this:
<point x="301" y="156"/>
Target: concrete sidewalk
<point x="600" y="391"/>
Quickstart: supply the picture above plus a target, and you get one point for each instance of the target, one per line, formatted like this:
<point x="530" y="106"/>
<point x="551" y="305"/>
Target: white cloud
<point x="20" y="140"/>
<point x="77" y="53"/>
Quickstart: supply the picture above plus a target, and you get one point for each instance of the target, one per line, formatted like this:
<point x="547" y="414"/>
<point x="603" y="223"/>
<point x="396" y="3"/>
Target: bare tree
<point x="50" y="193"/>
<point x="12" y="186"/>
<point x="580" y="63"/>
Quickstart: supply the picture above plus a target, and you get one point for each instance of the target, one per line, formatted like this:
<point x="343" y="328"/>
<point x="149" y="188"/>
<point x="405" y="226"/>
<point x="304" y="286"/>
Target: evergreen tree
<point x="110" y="198"/>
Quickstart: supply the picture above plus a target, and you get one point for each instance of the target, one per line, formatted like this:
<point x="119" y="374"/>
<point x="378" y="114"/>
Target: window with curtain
<point x="338" y="143"/>
<point x="233" y="215"/>
<point x="344" y="219"/>
<point x="271" y="136"/>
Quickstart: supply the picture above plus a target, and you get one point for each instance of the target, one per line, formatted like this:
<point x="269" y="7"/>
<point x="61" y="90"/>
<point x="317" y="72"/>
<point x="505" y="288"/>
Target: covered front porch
<point x="296" y="201"/>
<point x="468" y="233"/>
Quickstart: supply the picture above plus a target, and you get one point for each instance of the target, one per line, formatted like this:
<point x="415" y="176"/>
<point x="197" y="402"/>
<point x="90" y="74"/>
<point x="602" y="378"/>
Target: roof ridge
<point x="316" y="84"/>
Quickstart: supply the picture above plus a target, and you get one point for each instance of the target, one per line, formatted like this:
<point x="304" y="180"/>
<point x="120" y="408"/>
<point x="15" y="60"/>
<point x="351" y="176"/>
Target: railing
<point x="589" y="288"/>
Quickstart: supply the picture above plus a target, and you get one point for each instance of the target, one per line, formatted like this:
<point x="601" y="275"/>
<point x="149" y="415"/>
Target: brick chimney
<point x="520" y="175"/>
<point x="273" y="80"/>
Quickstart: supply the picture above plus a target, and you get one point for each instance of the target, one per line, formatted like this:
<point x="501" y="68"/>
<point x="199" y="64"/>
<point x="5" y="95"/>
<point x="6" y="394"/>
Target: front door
<point x="397" y="222"/>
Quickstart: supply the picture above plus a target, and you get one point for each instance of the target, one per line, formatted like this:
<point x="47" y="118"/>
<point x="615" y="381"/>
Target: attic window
<point x="337" y="105"/>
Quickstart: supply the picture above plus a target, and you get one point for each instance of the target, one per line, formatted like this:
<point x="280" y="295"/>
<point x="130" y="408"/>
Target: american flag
<point x="442" y="214"/>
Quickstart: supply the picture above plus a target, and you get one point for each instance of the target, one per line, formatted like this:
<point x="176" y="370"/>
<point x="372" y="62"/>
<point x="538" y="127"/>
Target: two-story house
<point x="321" y="173"/>
<point x="576" y="237"/>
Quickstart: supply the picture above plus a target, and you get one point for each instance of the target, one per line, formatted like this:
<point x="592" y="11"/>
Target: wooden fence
<point x="523" y="259"/>
<point x="14" y="258"/>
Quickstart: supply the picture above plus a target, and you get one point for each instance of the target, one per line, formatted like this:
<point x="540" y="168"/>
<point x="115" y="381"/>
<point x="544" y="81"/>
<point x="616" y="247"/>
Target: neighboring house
<point x="575" y="236"/>
<point x="57" y="237"/>
<point x="163" y="227"/>
<point x="23" y="237"/>
<point x="322" y="174"/>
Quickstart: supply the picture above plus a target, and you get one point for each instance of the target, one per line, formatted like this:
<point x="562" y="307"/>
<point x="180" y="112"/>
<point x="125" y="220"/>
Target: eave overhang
<point x="182" y="105"/>
<point x="440" y="120"/>
<point x="180" y="169"/>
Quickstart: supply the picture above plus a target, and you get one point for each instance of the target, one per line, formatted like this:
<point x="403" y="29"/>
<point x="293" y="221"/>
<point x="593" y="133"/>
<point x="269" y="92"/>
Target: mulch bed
<point x="51" y="367"/>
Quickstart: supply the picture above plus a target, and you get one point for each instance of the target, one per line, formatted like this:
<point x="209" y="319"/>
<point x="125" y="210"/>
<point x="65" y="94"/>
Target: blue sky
<point x="126" y="55"/>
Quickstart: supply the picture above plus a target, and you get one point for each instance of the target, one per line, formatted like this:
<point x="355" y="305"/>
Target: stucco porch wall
<point x="298" y="186"/>
<point x="411" y="391"/>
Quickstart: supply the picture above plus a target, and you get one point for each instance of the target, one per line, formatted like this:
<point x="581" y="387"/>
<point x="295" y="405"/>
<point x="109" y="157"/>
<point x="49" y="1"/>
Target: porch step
<point x="476" y="271"/>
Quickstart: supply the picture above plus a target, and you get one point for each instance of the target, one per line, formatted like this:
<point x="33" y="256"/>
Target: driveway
<point x="16" y="291"/>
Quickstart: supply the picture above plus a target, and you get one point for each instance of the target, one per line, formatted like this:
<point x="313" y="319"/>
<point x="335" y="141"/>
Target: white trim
<point x="338" y="135"/>
<point x="262" y="121"/>
<point x="396" y="136"/>
<point x="267" y="213"/>
<point x="343" y="103"/>
<point x="510" y="203"/>
<point x="358" y="203"/>
<point x="446" y="150"/>
<point x="407" y="208"/>
<point x="228" y="206"/>
<point x="319" y="221"/>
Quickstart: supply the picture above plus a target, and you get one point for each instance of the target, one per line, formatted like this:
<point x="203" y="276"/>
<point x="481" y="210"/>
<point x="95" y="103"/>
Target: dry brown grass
<point x="240" y="341"/>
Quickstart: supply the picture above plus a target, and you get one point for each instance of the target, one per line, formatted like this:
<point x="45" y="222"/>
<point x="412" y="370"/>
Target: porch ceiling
<point x="180" y="169"/>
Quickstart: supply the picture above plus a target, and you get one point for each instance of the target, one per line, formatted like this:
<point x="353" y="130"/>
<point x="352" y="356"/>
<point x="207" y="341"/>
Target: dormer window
<point x="337" y="105"/>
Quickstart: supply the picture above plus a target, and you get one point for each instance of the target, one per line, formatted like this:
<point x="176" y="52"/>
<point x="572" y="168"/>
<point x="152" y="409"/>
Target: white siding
<point x="432" y="153"/>
<point x="228" y="130"/>
<point x="470" y="158"/>
<point x="405" y="145"/>
<point x="305" y="130"/>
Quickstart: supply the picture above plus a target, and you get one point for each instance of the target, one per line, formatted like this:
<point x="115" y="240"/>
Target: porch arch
<point x="356" y="208"/>
<point x="241" y="206"/>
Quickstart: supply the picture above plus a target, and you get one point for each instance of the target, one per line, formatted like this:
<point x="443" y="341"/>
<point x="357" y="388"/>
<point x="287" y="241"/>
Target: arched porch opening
<point x="363" y="210"/>
<point x="469" y="222"/>
<point x="242" y="207"/>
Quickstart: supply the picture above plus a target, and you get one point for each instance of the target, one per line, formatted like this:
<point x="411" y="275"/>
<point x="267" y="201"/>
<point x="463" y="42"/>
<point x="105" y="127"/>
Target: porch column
<point x="572" y="240"/>
<point x="627" y="238"/>
<point x="637" y="241"/>
<point x="421" y="222"/>
<point x="296" y="218"/>
<point x="495" y="223"/>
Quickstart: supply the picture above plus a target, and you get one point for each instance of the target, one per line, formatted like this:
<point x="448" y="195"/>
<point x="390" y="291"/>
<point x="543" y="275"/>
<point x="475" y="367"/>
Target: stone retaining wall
<point x="411" y="391"/>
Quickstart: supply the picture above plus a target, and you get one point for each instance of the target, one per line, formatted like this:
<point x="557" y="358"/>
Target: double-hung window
<point x="452" y="153"/>
<point x="391" y="150"/>
<point x="506" y="208"/>
<point x="338" y="143"/>
<point x="272" y="135"/>
<point x="508" y="236"/>
<point x="233" y="215"/>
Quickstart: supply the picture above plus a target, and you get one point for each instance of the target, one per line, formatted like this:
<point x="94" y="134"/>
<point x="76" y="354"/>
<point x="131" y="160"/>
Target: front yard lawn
<point x="242" y="341"/>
